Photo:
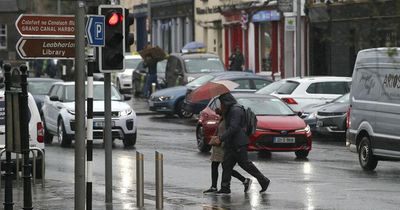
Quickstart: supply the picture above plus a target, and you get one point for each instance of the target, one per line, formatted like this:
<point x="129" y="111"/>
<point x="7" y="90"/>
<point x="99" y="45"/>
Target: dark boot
<point x="264" y="185"/>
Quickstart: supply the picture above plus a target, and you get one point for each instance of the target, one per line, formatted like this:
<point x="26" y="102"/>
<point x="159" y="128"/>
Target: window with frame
<point x="3" y="36"/>
<point x="328" y="88"/>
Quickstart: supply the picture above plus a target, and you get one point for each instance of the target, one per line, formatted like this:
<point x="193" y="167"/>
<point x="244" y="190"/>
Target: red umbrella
<point x="211" y="89"/>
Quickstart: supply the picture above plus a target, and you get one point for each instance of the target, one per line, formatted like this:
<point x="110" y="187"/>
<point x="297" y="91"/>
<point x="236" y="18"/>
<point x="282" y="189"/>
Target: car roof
<point x="252" y="95"/>
<point x="237" y="74"/>
<point x="195" y="55"/>
<point x="73" y="83"/>
<point x="44" y="79"/>
<point x="317" y="78"/>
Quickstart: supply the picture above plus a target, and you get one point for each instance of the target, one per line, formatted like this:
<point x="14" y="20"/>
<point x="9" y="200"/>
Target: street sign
<point x="44" y="48"/>
<point x="285" y="5"/>
<point x="46" y="25"/>
<point x="95" y="30"/>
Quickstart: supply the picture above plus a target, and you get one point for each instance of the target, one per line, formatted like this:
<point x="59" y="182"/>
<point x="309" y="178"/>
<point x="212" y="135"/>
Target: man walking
<point x="236" y="60"/>
<point x="236" y="142"/>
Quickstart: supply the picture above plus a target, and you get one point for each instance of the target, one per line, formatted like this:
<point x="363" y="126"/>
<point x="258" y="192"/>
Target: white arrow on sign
<point x="20" y="45"/>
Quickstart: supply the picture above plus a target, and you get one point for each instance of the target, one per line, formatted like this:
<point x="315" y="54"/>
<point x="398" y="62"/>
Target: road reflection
<point x="309" y="191"/>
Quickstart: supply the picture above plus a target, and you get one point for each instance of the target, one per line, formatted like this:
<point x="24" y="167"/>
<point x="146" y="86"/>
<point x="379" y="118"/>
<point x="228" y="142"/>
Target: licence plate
<point x="100" y="124"/>
<point x="320" y="123"/>
<point x="284" y="140"/>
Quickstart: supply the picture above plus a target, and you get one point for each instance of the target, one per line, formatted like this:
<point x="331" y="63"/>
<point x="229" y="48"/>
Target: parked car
<point x="373" y="126"/>
<point x="331" y="119"/>
<point x="171" y="100"/>
<point x="123" y="79"/>
<point x="248" y="82"/>
<point x="279" y="129"/>
<point x="35" y="130"/>
<point x="300" y="92"/>
<point x="185" y="67"/>
<point x="309" y="112"/>
<point x="39" y="88"/>
<point x="59" y="114"/>
<point x="140" y="73"/>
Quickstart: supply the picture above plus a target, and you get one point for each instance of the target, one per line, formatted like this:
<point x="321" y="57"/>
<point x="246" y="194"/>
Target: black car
<point x="331" y="119"/>
<point x="248" y="82"/>
<point x="39" y="88"/>
<point x="139" y="77"/>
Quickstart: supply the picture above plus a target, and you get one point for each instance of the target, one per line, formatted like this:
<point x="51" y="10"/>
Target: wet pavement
<point x="330" y="178"/>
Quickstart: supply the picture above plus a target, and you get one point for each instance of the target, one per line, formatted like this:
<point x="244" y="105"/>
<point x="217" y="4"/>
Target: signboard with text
<point x="46" y="25"/>
<point x="43" y="48"/>
<point x="285" y="5"/>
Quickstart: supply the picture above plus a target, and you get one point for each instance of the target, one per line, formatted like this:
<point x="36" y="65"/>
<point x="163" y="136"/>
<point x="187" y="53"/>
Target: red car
<point x="279" y="129"/>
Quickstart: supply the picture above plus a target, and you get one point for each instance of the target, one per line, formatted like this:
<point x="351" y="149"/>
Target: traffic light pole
<point x="107" y="136"/>
<point x="80" y="194"/>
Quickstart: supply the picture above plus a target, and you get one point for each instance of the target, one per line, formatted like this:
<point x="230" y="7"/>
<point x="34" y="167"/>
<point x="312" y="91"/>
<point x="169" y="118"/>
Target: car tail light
<point x="348" y="123"/>
<point x="289" y="100"/>
<point x="40" y="132"/>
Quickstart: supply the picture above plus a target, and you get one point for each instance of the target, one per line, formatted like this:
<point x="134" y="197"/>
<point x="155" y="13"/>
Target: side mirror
<point x="127" y="97"/>
<point x="54" y="98"/>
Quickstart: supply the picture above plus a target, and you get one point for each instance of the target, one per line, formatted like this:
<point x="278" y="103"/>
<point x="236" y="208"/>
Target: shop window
<point x="3" y="36"/>
<point x="266" y="46"/>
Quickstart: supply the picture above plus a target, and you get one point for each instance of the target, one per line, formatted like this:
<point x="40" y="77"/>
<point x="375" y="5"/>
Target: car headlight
<point x="190" y="79"/>
<point x="312" y="115"/>
<point x="165" y="98"/>
<point x="306" y="129"/>
<point x="125" y="113"/>
<point x="71" y="111"/>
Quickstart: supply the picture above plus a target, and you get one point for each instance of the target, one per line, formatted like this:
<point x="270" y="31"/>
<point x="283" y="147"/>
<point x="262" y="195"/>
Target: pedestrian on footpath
<point x="151" y="76"/>
<point x="235" y="144"/>
<point x="217" y="156"/>
<point x="236" y="60"/>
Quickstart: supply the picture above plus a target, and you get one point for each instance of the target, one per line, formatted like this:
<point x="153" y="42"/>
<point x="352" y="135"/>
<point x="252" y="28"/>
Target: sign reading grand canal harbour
<point x="41" y="48"/>
<point x="46" y="25"/>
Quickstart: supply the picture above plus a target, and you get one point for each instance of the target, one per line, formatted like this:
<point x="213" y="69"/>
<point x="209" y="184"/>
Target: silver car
<point x="59" y="114"/>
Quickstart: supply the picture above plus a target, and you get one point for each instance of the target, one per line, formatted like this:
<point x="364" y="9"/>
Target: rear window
<point x="329" y="88"/>
<point x="287" y="87"/>
<point x="203" y="65"/>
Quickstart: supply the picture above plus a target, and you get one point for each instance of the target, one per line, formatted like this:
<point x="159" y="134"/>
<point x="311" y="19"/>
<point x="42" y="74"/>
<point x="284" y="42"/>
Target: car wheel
<point x="181" y="112"/>
<point x="129" y="140"/>
<point x="201" y="143"/>
<point x="48" y="138"/>
<point x="63" y="138"/>
<point x="367" y="160"/>
<point x="301" y="153"/>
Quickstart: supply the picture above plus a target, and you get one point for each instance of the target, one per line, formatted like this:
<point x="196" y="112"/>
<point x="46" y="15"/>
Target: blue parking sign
<point x="95" y="30"/>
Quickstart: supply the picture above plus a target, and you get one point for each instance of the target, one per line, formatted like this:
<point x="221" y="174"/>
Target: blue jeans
<point x="151" y="78"/>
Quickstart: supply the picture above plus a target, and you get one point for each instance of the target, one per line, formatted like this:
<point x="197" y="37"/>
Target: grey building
<point x="172" y="23"/>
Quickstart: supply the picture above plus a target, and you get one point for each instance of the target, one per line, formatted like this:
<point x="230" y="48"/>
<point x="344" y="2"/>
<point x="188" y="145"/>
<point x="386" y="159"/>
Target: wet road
<point x="330" y="178"/>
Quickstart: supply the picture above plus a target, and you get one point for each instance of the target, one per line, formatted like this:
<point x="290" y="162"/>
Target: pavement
<point x="141" y="106"/>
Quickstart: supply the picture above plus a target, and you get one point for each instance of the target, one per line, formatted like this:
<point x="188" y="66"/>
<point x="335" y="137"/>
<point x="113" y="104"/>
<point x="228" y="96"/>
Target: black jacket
<point x="234" y="135"/>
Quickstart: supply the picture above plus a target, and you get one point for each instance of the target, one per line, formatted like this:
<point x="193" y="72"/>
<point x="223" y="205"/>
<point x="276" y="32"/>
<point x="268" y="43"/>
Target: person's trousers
<point x="239" y="156"/>
<point x="151" y="78"/>
<point x="214" y="174"/>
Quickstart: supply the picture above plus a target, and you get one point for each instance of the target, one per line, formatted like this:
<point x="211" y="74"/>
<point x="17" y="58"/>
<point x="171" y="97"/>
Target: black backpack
<point x="250" y="121"/>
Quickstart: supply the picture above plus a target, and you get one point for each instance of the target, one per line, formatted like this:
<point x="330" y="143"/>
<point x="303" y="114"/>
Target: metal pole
<point x="80" y="106"/>
<point x="159" y="181"/>
<point x="107" y="136"/>
<point x="139" y="180"/>
<point x="25" y="128"/>
<point x="150" y="24"/>
<point x="89" y="134"/>
<point x="8" y="176"/>
<point x="298" y="39"/>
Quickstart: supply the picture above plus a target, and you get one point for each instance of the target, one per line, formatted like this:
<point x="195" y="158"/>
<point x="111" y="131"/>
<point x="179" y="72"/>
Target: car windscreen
<point x="39" y="87"/>
<point x="98" y="93"/>
<point x="132" y="63"/>
<point x="203" y="65"/>
<point x="342" y="99"/>
<point x="271" y="87"/>
<point x="266" y="106"/>
<point x="200" y="80"/>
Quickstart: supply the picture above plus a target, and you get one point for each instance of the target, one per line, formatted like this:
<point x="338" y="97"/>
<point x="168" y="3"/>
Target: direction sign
<point x="95" y="30"/>
<point x="46" y="25"/>
<point x="44" y="48"/>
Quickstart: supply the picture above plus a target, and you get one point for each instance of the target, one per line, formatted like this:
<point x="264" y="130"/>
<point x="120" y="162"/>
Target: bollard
<point x="153" y="87"/>
<point x="139" y="180"/>
<point x="159" y="181"/>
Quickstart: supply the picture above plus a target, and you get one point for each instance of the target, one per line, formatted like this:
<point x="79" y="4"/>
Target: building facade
<point x="339" y="29"/>
<point x="172" y="23"/>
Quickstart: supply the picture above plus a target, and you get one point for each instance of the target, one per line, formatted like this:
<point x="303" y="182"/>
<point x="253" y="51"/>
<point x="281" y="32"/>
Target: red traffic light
<point x="114" y="19"/>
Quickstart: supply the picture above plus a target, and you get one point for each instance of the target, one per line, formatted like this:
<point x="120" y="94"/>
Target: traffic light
<point x="129" y="37"/>
<point x="111" y="56"/>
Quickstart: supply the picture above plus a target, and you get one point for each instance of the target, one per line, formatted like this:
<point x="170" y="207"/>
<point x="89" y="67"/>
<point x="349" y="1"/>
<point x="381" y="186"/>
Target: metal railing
<point x="35" y="152"/>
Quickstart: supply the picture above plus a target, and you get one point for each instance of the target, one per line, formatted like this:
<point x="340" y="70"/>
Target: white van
<point x="36" y="131"/>
<point x="374" y="113"/>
